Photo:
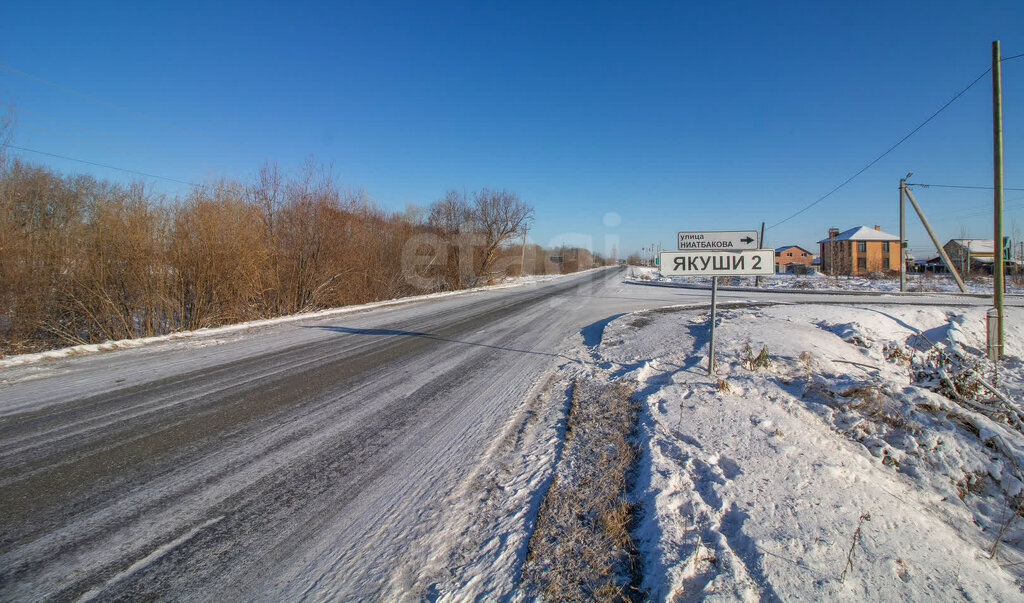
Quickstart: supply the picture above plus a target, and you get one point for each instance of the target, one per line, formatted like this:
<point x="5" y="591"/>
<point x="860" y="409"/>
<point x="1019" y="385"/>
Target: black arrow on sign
<point x="746" y="240"/>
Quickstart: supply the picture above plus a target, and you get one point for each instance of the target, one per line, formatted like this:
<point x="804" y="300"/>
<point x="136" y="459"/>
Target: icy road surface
<point x="302" y="459"/>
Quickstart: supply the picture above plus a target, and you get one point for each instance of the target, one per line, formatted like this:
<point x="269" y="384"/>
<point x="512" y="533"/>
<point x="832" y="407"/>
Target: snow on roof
<point x="785" y="247"/>
<point x="862" y="233"/>
<point x="975" y="245"/>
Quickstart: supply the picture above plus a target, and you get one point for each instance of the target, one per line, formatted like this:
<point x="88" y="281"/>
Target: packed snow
<point x="829" y="469"/>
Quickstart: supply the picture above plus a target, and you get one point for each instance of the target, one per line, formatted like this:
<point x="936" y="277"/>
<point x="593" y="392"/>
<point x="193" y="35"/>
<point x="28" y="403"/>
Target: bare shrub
<point x="82" y="261"/>
<point x="216" y="256"/>
<point x="752" y="362"/>
<point x="118" y="287"/>
<point x="870" y="401"/>
<point x="41" y="217"/>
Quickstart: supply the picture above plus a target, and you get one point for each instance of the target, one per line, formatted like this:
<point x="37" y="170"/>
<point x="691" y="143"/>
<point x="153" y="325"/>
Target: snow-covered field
<point x="833" y="471"/>
<point x="926" y="283"/>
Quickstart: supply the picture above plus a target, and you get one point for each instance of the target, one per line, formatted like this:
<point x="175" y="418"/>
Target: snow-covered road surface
<point x="321" y="458"/>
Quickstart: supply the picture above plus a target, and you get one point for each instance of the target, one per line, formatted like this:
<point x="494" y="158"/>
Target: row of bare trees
<point x="84" y="260"/>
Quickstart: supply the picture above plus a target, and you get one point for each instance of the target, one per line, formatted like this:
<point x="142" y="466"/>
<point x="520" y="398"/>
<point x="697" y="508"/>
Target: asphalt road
<point x="284" y="461"/>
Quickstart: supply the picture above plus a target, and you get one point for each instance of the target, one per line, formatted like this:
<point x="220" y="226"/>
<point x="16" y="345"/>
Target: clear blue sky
<point x="675" y="116"/>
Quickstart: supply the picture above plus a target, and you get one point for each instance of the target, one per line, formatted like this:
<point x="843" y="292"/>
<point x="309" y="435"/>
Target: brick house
<point x="859" y="250"/>
<point x="786" y="256"/>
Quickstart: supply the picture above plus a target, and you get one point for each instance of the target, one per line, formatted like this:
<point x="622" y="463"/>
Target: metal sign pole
<point x="690" y="261"/>
<point x="711" y="345"/>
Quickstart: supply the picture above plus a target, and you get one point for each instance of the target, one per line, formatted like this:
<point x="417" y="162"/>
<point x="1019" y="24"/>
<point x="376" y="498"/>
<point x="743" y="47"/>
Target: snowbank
<point x="916" y="283"/>
<point x="832" y="470"/>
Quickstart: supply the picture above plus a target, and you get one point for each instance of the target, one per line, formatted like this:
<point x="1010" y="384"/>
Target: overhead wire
<point x="116" y="107"/>
<point x="103" y="165"/>
<point x="887" y="151"/>
<point x="193" y="134"/>
<point x="1008" y="205"/>
<point x="112" y="106"/>
<point x="106" y="146"/>
<point x="987" y="188"/>
<point x="80" y="128"/>
<point x="901" y="141"/>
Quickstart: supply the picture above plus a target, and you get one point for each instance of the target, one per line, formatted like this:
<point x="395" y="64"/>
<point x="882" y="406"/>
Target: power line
<point x="889" y="150"/>
<point x="113" y="106"/>
<point x="106" y="146"/>
<point x="987" y="188"/>
<point x="103" y="165"/>
<point x="1007" y="205"/>
<point x="89" y="131"/>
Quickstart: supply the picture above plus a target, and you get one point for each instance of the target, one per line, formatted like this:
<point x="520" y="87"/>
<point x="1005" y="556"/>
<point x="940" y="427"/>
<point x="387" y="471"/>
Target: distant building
<point x="859" y="250"/>
<point x="970" y="254"/>
<point x="787" y="256"/>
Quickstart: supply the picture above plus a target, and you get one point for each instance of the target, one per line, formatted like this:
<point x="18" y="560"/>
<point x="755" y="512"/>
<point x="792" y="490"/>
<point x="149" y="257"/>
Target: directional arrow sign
<point x="756" y="262"/>
<point x="718" y="240"/>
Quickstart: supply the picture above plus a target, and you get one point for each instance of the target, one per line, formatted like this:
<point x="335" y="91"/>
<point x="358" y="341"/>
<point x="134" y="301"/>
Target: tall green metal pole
<point x="997" y="184"/>
<point x="903" y="240"/>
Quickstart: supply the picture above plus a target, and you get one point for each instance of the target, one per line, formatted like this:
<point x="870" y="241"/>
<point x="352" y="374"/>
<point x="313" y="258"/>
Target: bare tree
<point x="450" y="217"/>
<point x="498" y="216"/>
<point x="414" y="215"/>
<point x="450" y="214"/>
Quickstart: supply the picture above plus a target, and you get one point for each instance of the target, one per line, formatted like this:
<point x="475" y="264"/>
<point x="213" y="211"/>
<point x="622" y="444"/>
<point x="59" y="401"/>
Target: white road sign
<point x="755" y="262"/>
<point x="719" y="240"/>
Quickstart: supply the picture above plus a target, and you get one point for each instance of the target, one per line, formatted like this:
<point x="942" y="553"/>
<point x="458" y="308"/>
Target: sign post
<point x="750" y="262"/>
<point x="711" y="338"/>
<point x="718" y="240"/>
<point x="714" y="254"/>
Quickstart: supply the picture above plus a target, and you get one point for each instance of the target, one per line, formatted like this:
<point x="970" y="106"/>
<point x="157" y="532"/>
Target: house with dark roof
<point x="789" y="255"/>
<point x="859" y="250"/>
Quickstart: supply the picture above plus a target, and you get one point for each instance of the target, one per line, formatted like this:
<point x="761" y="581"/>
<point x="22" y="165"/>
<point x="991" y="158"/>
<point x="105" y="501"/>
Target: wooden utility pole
<point x="522" y="262"/>
<point x="935" y="240"/>
<point x="997" y="185"/>
<point x="967" y="270"/>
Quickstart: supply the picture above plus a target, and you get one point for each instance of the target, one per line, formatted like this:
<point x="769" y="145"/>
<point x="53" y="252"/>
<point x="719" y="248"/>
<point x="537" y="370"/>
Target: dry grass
<point x="853" y="545"/>
<point x="871" y="402"/>
<point x="752" y="362"/>
<point x="581" y="548"/>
